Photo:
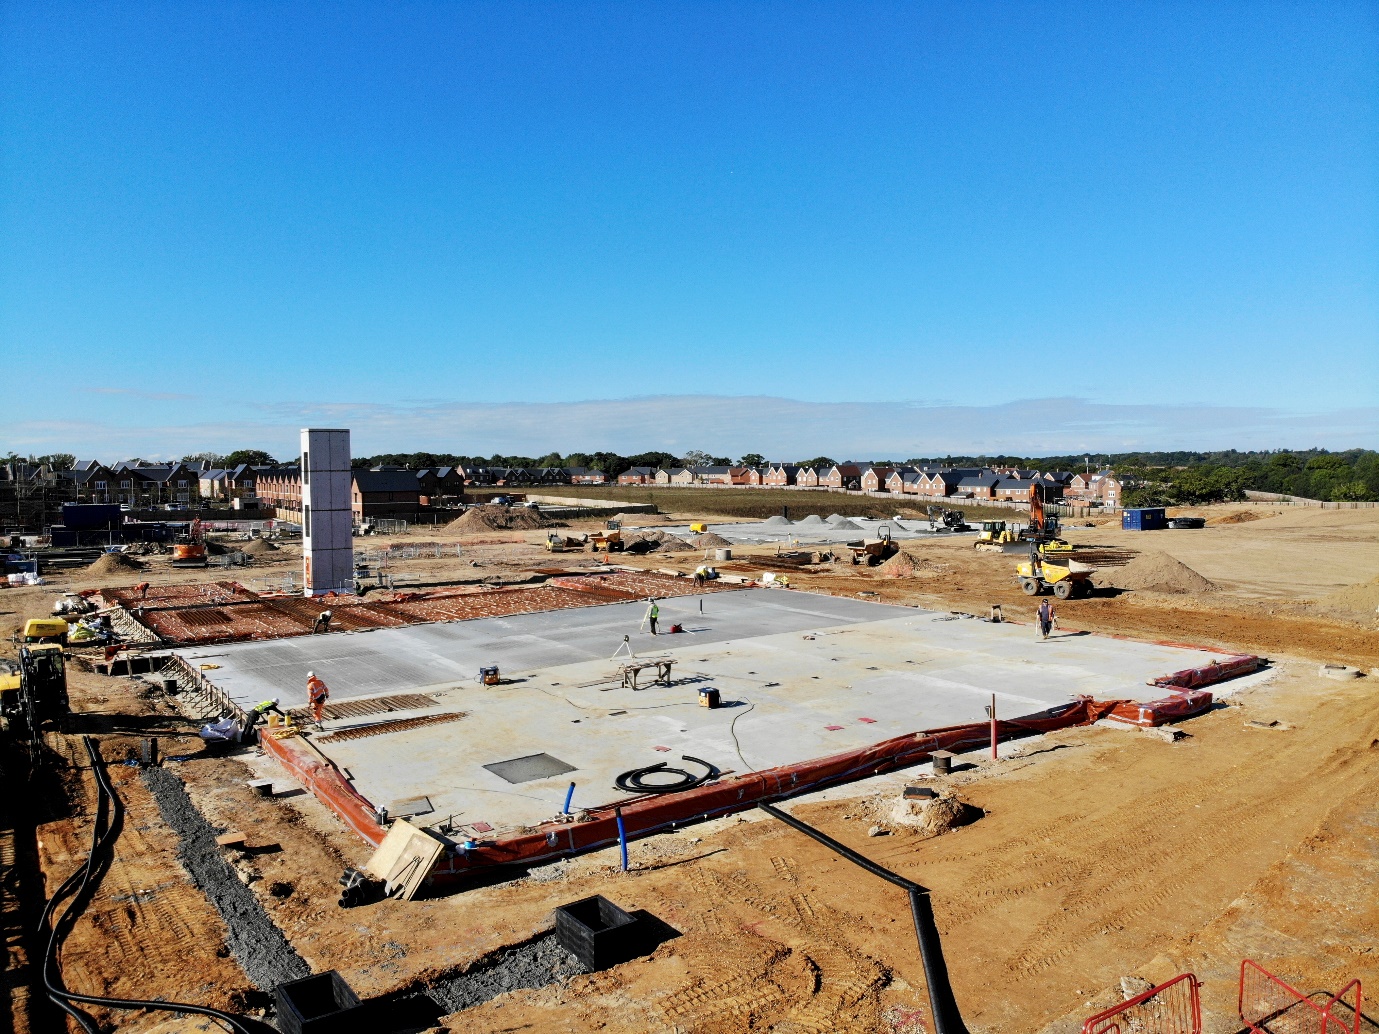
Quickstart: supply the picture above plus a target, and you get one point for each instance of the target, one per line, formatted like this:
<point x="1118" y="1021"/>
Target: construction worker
<point x="652" y="613"/>
<point x="1046" y="617"/>
<point x="317" y="693"/>
<point x="701" y="574"/>
<point x="143" y="590"/>
<point x="322" y="622"/>
<point x="253" y="717"/>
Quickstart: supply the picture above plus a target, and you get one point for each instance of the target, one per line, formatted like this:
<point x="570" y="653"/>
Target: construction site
<point x="684" y="773"/>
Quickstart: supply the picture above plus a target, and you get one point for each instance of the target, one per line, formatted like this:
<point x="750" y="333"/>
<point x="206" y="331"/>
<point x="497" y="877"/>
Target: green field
<point x="750" y="502"/>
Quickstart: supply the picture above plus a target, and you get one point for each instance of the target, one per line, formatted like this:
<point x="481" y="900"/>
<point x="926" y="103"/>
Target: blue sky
<point x="479" y="227"/>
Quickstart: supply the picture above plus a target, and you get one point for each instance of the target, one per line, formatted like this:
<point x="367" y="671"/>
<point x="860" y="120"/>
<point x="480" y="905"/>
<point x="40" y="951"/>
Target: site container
<point x="1145" y="518"/>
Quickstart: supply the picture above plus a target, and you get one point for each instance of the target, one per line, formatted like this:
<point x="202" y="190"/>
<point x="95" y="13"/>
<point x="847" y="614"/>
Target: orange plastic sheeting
<point x="1216" y="671"/>
<point x="322" y="778"/>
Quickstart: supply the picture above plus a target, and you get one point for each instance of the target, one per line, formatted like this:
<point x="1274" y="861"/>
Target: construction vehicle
<point x="870" y="554"/>
<point x="34" y="690"/>
<point x="189" y="550"/>
<point x="1043" y="528"/>
<point x="995" y="536"/>
<point x="557" y="543"/>
<point x="607" y="541"/>
<point x="941" y="519"/>
<point x="1064" y="576"/>
<point x="46" y="630"/>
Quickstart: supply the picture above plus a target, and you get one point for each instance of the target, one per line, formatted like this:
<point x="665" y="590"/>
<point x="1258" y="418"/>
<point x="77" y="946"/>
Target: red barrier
<point x="1171" y="1008"/>
<point x="1157" y="712"/>
<point x="1267" y="1005"/>
<point x="1216" y="671"/>
<point x="319" y="775"/>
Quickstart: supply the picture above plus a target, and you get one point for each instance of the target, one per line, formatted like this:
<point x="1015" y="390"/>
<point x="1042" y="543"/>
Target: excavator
<point x="941" y="519"/>
<point x="1043" y="530"/>
<point x="189" y="550"/>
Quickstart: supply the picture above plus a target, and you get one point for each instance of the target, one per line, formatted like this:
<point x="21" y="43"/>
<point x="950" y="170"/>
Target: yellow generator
<point x="699" y="528"/>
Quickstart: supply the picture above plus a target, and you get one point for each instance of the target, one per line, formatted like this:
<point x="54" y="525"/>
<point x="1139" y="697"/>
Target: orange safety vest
<point x="316" y="690"/>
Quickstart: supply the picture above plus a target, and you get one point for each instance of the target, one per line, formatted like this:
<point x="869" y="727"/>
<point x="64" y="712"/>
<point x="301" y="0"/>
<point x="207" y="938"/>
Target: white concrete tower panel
<point x="327" y="518"/>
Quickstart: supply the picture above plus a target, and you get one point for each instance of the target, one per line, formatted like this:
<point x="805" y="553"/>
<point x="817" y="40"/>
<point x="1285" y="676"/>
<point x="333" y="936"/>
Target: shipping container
<point x="1146" y="518"/>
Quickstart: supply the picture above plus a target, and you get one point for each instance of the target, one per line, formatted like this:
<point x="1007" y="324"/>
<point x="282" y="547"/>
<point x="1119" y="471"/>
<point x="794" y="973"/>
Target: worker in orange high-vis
<point x="317" y="692"/>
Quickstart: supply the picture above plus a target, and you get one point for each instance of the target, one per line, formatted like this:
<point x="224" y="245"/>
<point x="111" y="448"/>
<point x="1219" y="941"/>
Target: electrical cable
<point x="105" y="830"/>
<point x="732" y="728"/>
<point x="634" y="779"/>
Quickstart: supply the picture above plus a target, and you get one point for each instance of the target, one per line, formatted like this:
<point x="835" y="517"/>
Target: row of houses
<point x="135" y="486"/>
<point x="1010" y="483"/>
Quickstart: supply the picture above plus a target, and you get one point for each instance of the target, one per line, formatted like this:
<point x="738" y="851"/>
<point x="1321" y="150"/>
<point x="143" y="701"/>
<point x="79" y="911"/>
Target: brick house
<point x="385" y="493"/>
<point x="980" y="486"/>
<point x="781" y="474"/>
<point x="874" y="478"/>
<point x="807" y="477"/>
<point x="843" y="475"/>
<point x="638" y="476"/>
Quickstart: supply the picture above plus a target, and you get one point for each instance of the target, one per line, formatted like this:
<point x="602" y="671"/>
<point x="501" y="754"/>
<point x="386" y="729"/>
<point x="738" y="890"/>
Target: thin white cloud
<point x="725" y="425"/>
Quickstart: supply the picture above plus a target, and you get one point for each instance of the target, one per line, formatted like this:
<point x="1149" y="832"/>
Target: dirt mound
<point x="1159" y="572"/>
<point x="907" y="565"/>
<point x="1239" y="517"/>
<point x="114" y="563"/>
<point x="1361" y="599"/>
<point x="661" y="541"/>
<point x="845" y="525"/>
<point x="500" y="518"/>
<point x="255" y="547"/>
<point x="709" y="541"/>
<point x="933" y="816"/>
<point x="835" y="518"/>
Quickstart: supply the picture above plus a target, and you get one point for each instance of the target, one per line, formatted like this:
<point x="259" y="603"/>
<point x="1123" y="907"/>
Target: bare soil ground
<point x="1102" y="852"/>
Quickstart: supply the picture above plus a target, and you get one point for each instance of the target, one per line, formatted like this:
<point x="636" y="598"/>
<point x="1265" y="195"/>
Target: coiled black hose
<point x="104" y="832"/>
<point x="634" y="779"/>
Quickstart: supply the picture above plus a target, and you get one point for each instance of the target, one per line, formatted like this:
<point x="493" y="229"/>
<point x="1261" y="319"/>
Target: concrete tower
<point x="327" y="519"/>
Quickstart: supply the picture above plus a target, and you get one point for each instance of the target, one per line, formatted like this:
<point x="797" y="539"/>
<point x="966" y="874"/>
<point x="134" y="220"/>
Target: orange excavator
<point x="1043" y="530"/>
<point x="189" y="550"/>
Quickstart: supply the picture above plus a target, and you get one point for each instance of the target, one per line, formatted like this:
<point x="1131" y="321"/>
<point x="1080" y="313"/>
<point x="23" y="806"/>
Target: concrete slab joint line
<point x="255" y="941"/>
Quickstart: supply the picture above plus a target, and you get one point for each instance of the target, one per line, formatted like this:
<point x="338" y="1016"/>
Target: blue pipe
<point x="569" y="796"/>
<point x="622" y="837"/>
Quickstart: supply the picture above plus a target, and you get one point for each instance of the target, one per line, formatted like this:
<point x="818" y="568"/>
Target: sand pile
<point x="675" y="544"/>
<point x="709" y="541"/>
<point x="813" y="518"/>
<point x="777" y="521"/>
<point x="934" y="816"/>
<point x="500" y="518"/>
<point x="255" y="547"/>
<point x="907" y="565"/>
<point x="1239" y="517"/>
<point x="835" y="518"/>
<point x="1360" y="599"/>
<point x="1159" y="572"/>
<point x="114" y="563"/>
<point x="846" y="525"/>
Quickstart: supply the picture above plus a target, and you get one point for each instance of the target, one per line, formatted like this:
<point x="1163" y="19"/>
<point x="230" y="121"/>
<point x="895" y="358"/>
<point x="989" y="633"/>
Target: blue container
<point x="85" y="516"/>
<point x="1146" y="518"/>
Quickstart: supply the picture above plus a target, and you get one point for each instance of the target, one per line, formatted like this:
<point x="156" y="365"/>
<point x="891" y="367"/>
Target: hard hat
<point x="311" y="674"/>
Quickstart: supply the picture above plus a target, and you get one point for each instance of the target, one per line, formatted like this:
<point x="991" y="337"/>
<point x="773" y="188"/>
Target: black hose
<point x="634" y="779"/>
<point x="947" y="1018"/>
<point x="104" y="832"/>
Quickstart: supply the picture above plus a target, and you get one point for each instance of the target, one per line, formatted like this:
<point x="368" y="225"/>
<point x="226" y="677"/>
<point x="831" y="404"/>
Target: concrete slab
<point x="801" y="676"/>
<point x="420" y="657"/>
<point x="755" y="533"/>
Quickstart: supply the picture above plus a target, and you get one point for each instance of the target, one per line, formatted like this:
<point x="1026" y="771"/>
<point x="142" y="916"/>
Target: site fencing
<point x="1171" y="1008"/>
<point x="1267" y="1005"/>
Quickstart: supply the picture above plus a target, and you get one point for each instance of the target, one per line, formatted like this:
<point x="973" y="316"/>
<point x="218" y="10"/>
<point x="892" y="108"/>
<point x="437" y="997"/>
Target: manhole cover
<point x="533" y="766"/>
